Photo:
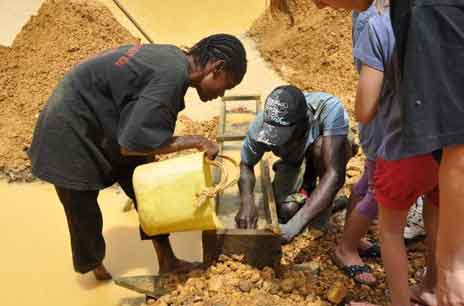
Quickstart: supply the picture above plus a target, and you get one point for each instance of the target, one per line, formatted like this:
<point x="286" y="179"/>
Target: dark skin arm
<point x="247" y="216"/>
<point x="180" y="143"/>
<point x="334" y="158"/>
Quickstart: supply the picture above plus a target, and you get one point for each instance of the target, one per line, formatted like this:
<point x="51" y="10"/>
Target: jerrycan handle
<point x="223" y="184"/>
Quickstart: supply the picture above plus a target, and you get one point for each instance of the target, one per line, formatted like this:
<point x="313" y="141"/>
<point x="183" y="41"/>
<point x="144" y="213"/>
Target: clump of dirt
<point x="63" y="33"/>
<point x="314" y="53"/>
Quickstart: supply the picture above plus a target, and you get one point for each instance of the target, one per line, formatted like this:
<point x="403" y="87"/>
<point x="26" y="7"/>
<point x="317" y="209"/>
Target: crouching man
<point x="309" y="133"/>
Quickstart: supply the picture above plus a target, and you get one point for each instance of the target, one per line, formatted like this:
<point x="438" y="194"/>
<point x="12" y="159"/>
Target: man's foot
<point x="423" y="296"/>
<point x="101" y="273"/>
<point x="179" y="266"/>
<point x="353" y="266"/>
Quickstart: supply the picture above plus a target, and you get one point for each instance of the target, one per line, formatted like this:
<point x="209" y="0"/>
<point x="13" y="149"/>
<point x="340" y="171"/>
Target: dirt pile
<point x="63" y="33"/>
<point x="314" y="53"/>
<point x="307" y="277"/>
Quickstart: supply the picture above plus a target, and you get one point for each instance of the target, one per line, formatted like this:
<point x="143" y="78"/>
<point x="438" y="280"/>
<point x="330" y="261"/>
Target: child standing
<point x="362" y="208"/>
<point x="397" y="182"/>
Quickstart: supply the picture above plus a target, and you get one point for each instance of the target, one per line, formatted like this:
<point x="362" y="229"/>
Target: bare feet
<point x="101" y="273"/>
<point x="423" y="296"/>
<point x="345" y="258"/>
<point x="179" y="266"/>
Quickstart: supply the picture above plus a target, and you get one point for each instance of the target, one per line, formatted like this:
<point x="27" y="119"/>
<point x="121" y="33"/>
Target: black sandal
<point x="353" y="271"/>
<point x="371" y="252"/>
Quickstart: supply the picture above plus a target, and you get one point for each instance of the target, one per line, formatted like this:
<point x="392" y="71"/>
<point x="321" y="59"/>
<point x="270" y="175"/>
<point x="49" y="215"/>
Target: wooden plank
<point x="241" y="98"/>
<point x="269" y="198"/>
<point x="259" y="248"/>
<point x="258" y="105"/>
<point x="230" y="138"/>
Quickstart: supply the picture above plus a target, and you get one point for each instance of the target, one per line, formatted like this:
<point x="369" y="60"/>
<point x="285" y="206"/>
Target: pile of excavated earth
<point x="63" y="33"/>
<point x="314" y="53"/>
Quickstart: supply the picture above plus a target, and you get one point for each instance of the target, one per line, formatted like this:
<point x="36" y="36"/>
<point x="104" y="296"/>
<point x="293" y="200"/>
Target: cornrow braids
<point x="221" y="47"/>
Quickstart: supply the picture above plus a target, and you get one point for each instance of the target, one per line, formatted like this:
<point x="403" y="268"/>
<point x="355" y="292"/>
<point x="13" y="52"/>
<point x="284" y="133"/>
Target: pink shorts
<point x="398" y="183"/>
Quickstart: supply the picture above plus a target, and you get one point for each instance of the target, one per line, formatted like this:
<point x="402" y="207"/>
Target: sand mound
<point x="63" y="33"/>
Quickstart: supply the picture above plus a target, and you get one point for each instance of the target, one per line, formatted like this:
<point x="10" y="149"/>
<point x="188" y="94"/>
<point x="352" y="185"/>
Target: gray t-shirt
<point x="375" y="47"/>
<point x="370" y="135"/>
<point x="330" y="119"/>
<point x="126" y="97"/>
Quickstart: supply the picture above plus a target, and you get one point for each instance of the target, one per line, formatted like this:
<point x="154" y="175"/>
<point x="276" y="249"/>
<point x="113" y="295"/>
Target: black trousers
<point x="85" y="223"/>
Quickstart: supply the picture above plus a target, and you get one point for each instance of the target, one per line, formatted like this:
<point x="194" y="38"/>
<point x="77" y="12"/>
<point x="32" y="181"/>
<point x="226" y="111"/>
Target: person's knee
<point x="287" y="210"/>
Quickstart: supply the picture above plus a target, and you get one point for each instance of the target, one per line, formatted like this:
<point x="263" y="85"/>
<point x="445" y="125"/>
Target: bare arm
<point x="334" y="159"/>
<point x="368" y="93"/>
<point x="179" y="143"/>
<point x="247" y="216"/>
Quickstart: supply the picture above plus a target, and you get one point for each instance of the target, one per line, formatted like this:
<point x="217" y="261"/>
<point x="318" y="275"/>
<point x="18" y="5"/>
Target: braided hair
<point x="221" y="47"/>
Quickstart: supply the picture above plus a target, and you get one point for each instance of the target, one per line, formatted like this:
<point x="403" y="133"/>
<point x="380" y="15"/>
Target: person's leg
<point x="167" y="260"/>
<point x="357" y="225"/>
<point x="358" y="191"/>
<point x="85" y="224"/>
<point x="450" y="238"/>
<point x="425" y="292"/>
<point x="288" y="180"/>
<point x="367" y="209"/>
<point x="394" y="257"/>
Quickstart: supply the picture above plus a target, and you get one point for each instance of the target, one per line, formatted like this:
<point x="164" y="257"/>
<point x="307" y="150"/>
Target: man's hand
<point x="287" y="233"/>
<point x="210" y="148"/>
<point x="247" y="216"/>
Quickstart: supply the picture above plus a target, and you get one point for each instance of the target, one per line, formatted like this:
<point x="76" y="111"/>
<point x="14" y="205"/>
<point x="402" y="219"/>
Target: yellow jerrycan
<point x="178" y="195"/>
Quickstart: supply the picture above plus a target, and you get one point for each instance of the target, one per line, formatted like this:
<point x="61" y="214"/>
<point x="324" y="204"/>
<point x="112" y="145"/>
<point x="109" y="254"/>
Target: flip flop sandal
<point x="371" y="252"/>
<point x="353" y="271"/>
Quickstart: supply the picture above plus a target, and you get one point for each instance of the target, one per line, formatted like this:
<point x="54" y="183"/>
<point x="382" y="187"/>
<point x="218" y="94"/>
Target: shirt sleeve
<point x="252" y="151"/>
<point x="368" y="48"/>
<point x="148" y="122"/>
<point x="335" y="119"/>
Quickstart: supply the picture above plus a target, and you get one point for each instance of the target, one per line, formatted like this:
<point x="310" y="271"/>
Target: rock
<point x="299" y="281"/>
<point x="337" y="293"/>
<point x="255" y="277"/>
<point x="267" y="274"/>
<point x="275" y="288"/>
<point x="287" y="285"/>
<point x="315" y="234"/>
<point x="244" y="285"/>
<point x="305" y="290"/>
<point x="215" y="284"/>
<point x="314" y="267"/>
